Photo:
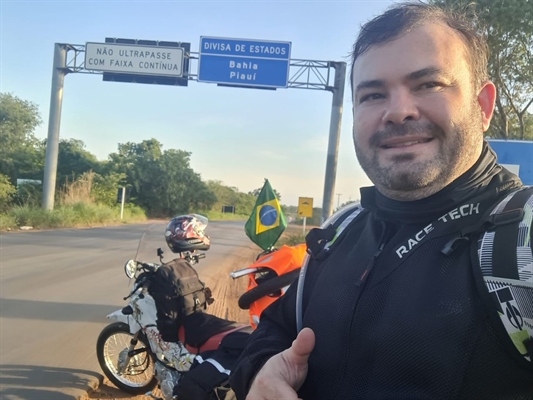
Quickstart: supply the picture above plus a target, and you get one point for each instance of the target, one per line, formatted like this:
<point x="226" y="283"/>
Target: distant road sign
<point x="305" y="207"/>
<point x="517" y="156"/>
<point x="134" y="59"/>
<point x="244" y="62"/>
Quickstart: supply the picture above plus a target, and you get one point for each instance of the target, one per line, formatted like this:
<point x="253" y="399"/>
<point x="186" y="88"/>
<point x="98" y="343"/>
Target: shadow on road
<point x="54" y="311"/>
<point x="33" y="382"/>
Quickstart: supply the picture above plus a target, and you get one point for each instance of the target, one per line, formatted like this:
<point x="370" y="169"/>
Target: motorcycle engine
<point x="167" y="379"/>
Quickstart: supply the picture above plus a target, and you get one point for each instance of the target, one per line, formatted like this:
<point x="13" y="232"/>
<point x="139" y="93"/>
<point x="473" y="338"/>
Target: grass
<point x="7" y="222"/>
<point x="83" y="213"/>
<point x="292" y="235"/>
<point x="68" y="215"/>
<point x="219" y="215"/>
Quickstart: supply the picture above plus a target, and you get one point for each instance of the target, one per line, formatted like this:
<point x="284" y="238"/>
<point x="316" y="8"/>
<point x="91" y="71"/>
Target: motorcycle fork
<point x="131" y="352"/>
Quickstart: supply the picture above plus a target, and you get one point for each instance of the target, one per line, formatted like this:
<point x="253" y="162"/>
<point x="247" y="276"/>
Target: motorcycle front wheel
<point x="112" y="346"/>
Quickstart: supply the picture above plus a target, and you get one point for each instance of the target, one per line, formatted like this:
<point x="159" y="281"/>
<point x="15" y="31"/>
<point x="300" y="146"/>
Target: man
<point x="386" y="314"/>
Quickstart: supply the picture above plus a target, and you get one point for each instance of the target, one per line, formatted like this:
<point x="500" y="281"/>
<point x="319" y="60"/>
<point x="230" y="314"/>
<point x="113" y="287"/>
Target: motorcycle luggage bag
<point x="177" y="292"/>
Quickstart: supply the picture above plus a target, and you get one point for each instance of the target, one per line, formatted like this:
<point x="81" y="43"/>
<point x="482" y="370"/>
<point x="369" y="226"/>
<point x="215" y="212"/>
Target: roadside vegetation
<point x="292" y="236"/>
<point x="161" y="182"/>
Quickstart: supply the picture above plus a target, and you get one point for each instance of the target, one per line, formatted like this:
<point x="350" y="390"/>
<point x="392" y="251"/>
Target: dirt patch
<point x="226" y="291"/>
<point x="107" y="391"/>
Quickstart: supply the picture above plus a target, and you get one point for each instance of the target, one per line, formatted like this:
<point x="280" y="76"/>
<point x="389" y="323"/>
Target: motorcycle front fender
<point x="126" y="318"/>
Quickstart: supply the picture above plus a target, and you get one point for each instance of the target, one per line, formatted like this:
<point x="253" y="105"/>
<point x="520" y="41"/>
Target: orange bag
<point x="273" y="273"/>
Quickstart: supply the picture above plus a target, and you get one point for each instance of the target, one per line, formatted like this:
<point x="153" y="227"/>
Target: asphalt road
<point x="56" y="288"/>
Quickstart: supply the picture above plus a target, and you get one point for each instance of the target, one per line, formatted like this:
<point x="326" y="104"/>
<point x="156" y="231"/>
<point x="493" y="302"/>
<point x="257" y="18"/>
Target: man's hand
<point x="284" y="373"/>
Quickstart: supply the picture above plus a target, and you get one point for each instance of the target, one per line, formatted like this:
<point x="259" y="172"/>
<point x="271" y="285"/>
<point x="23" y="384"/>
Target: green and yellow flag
<point x="267" y="222"/>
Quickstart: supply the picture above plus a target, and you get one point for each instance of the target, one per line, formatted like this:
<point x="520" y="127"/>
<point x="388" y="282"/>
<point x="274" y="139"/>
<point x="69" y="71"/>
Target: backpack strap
<point x="319" y="241"/>
<point x="506" y="261"/>
<point x="507" y="241"/>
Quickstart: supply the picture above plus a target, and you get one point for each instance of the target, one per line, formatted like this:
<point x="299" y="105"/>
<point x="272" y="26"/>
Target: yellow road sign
<point x="305" y="206"/>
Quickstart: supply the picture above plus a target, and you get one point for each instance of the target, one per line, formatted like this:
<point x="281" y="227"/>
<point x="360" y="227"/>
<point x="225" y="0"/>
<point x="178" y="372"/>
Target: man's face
<point x="418" y="121"/>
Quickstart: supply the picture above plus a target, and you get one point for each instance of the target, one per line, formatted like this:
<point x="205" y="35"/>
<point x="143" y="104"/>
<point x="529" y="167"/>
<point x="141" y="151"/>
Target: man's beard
<point x="456" y="153"/>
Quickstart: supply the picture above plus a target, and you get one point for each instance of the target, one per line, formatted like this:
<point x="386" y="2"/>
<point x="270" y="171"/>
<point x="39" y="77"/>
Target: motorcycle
<point x="269" y="278"/>
<point x="131" y="350"/>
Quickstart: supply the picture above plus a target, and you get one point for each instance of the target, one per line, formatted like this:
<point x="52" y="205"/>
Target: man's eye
<point x="430" y="85"/>
<point x="370" y="96"/>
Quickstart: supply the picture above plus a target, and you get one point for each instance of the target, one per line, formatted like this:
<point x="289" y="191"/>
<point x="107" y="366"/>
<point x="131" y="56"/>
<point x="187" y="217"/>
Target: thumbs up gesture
<point x="283" y="374"/>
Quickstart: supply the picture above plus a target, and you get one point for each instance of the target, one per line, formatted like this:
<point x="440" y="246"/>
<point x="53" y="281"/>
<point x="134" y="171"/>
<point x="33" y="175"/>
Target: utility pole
<point x="338" y="199"/>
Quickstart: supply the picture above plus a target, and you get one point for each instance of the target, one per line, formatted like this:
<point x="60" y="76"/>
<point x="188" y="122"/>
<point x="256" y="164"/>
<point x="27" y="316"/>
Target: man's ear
<point x="486" y="99"/>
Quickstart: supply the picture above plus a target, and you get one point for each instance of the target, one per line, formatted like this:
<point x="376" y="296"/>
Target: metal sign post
<point x="122" y="201"/>
<point x="334" y="138"/>
<point x="52" y="142"/>
<point x="305" y="209"/>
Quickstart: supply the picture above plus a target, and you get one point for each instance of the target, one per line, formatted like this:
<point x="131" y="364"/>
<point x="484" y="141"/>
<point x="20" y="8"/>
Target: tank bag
<point x="178" y="292"/>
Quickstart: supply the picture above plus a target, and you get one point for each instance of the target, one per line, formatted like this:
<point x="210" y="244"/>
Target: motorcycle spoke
<point x="139" y="370"/>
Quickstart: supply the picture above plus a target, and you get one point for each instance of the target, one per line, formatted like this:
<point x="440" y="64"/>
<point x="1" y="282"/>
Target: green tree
<point x="73" y="160"/>
<point x="184" y="190"/>
<point x="163" y="183"/>
<point x="256" y="192"/>
<point x="244" y="203"/>
<point x="7" y="190"/>
<point x="226" y="195"/>
<point x="21" y="154"/>
<point x="508" y="26"/>
<point x="104" y="187"/>
<point x="29" y="194"/>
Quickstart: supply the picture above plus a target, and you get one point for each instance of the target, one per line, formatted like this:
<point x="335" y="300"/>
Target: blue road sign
<point x="515" y="155"/>
<point x="244" y="62"/>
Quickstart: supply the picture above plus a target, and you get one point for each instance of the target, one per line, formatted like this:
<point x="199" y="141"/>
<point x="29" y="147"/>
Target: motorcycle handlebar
<point x="242" y="272"/>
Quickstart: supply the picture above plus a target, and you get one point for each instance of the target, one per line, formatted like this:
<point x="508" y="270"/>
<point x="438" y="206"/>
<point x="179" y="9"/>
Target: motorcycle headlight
<point x="130" y="268"/>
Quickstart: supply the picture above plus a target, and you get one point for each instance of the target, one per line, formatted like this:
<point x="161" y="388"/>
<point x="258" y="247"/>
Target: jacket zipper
<point x="370" y="265"/>
<point x="372" y="262"/>
<point x="362" y="279"/>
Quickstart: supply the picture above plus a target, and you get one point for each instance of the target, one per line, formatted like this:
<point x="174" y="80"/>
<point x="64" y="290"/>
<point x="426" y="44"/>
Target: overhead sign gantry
<point x="245" y="63"/>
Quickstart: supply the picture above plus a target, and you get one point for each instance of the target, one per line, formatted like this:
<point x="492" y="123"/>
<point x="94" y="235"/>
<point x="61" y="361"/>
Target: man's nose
<point x="400" y="108"/>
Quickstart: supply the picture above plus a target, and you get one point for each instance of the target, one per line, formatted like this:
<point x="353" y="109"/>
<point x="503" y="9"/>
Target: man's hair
<point x="402" y="18"/>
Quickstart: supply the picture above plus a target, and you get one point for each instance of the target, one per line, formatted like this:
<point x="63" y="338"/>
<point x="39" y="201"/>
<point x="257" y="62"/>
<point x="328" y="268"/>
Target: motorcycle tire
<point x="143" y="363"/>
<point x="267" y="287"/>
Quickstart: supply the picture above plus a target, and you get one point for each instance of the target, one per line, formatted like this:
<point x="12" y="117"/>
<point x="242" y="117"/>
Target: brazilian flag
<point x="267" y="222"/>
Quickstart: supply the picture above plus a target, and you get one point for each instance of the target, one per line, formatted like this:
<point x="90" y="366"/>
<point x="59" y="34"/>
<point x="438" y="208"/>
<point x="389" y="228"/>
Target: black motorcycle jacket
<point x="394" y="317"/>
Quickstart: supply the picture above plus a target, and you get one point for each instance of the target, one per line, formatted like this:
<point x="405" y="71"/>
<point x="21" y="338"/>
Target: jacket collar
<point x="486" y="175"/>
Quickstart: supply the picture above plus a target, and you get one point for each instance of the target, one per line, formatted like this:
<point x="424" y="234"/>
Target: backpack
<point x="503" y="263"/>
<point x="506" y="261"/>
<point x="177" y="292"/>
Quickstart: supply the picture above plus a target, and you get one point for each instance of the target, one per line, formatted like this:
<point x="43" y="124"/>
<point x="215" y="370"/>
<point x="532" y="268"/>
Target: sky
<point x="236" y="136"/>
